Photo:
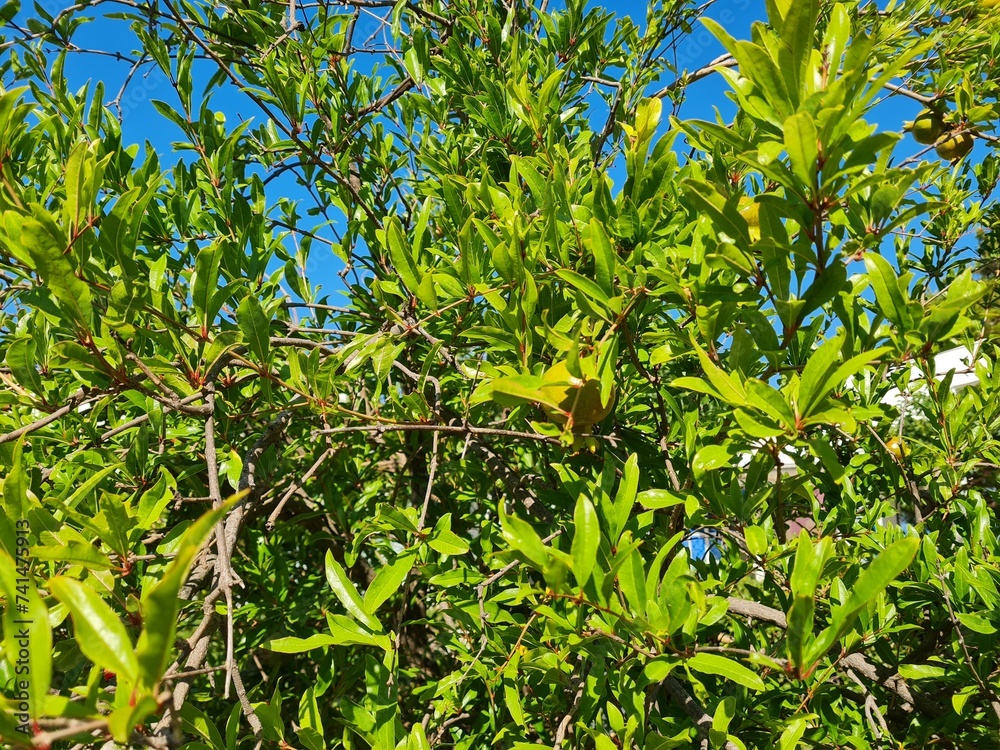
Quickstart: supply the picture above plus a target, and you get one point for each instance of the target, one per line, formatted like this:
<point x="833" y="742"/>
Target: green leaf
<point x="254" y="326"/>
<point x="512" y="685"/>
<point x="809" y="562"/>
<point x="77" y="201"/>
<point x="310" y="716"/>
<point x="921" y="672"/>
<point x="624" y="497"/>
<point x="797" y="31"/>
<point x="23" y="363"/>
<point x="401" y="255"/>
<point x="814" y="384"/>
<point x="719" y="665"/>
<point x="888" y="292"/>
<point x="344" y="588"/>
<point x="876" y="576"/>
<point x="411" y="59"/>
<point x="698" y="385"/>
<point x="822" y="449"/>
<point x="194" y="722"/>
<point x="724" y="715"/>
<point x="154" y="500"/>
<point x="427" y="291"/>
<point x="800" y="629"/>
<point x="756" y="64"/>
<point x="800" y="143"/>
<point x="387" y="581"/>
<point x="26" y="628"/>
<point x="293" y="645"/>
<point x="892" y="561"/>
<point x="632" y="580"/>
<point x="771" y="402"/>
<point x="729" y="387"/>
<point x="171" y="114"/>
<point x="74" y="553"/>
<point x="15" y="500"/>
<point x="124" y="719"/>
<point x="658" y="669"/>
<point x="347" y="632"/>
<point x="586" y="540"/>
<point x="519" y="389"/>
<point x="381" y="690"/>
<point x="205" y="283"/>
<point x="824" y="287"/>
<point x="723" y="213"/>
<point x="647" y="117"/>
<point x="710" y="458"/>
<point x="776" y="268"/>
<point x="160" y="603"/>
<point x="101" y="636"/>
<point x="605" y="258"/>
<point x="590" y="289"/>
<point x="789" y="739"/>
<point x="958" y="700"/>
<point x="522" y="537"/>
<point x="658" y="499"/>
<point x="85" y="489"/>
<point x="448" y="543"/>
<point x="976" y="623"/>
<point x="756" y="539"/>
<point x="821" y="374"/>
<point x="40" y="243"/>
<point x="418" y="738"/>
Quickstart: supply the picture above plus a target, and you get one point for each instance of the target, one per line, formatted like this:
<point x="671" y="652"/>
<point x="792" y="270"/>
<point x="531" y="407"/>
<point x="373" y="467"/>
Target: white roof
<point x="958" y="360"/>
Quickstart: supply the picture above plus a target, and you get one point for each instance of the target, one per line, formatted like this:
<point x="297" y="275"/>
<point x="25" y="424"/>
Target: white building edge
<point x="958" y="361"/>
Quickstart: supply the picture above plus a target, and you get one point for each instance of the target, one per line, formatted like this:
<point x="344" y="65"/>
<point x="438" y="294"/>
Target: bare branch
<point x="985" y="687"/>
<point x="73" y="728"/>
<point x="723" y="61"/>
<point x="568" y="718"/>
<point x="693" y="709"/>
<point x="855" y="661"/>
<point x="273" y="518"/>
<point x="872" y="712"/>
<point x="71" y="403"/>
<point x="380" y="429"/>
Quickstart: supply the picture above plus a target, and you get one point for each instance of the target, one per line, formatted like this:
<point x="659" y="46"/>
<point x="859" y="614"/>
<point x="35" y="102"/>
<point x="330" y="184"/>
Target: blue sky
<point x="142" y="123"/>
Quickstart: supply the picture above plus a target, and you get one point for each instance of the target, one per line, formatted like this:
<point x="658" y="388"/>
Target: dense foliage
<point x="245" y="510"/>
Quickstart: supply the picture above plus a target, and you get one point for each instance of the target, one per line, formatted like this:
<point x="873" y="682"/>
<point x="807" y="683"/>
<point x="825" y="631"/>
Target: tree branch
<point x="74" y="401"/>
<point x="855" y="661"/>
<point x="702" y="721"/>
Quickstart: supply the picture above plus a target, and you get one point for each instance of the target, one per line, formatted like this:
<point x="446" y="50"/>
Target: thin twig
<point x="45" y="739"/>
<point x="295" y="26"/>
<point x="987" y="690"/>
<point x="692" y="708"/>
<point x="81" y="727"/>
<point x="273" y="518"/>
<point x="855" y="661"/>
<point x="872" y="712"/>
<point x="71" y="403"/>
<point x="431" y="473"/>
<point x="445" y="428"/>
<point x="903" y="91"/>
<point x="568" y="718"/>
<point x="481" y="588"/>
<point x="723" y="61"/>
<point x="222" y="563"/>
